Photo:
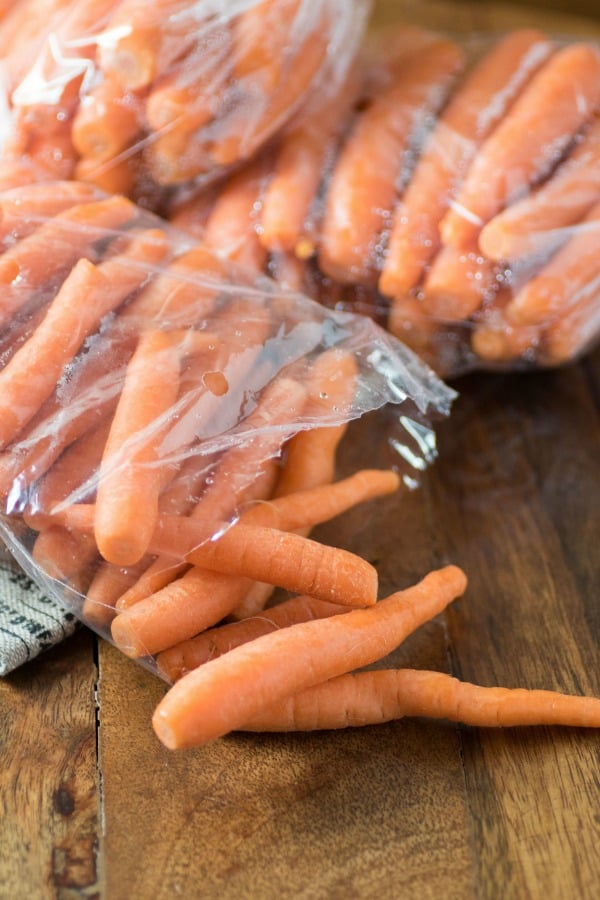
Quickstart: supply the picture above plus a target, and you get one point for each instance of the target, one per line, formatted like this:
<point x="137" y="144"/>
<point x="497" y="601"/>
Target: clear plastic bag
<point x="151" y="394"/>
<point x="452" y="193"/>
<point x="136" y="97"/>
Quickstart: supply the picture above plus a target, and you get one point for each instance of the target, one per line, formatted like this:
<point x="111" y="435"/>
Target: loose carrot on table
<point x="181" y="658"/>
<point x="227" y="692"/>
<point x="529" y="142"/>
<point x="373" y="697"/>
<point x="539" y="223"/>
<point x="366" y="177"/>
<point x="473" y="111"/>
<point x="571" y="273"/>
<point x="34" y="371"/>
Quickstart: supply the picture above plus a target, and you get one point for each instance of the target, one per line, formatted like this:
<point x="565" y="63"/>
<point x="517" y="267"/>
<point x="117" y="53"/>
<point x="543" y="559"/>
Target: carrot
<point x="303" y="157"/>
<point x="117" y="175"/>
<point x="363" y="185"/>
<point x="528" y="143"/>
<point x="65" y="555"/>
<point x="459" y="282"/>
<point x="373" y="697"/>
<point x="235" y="478"/>
<point x="72" y="234"/>
<point x="496" y="339"/>
<point x="232" y="225"/>
<point x="106" y="586"/>
<point x="70" y="480"/>
<point x="181" y="658"/>
<point x="129" y="480"/>
<point x="26" y="207"/>
<point x="239" y="135"/>
<point x="150" y="38"/>
<point x="473" y="111"/>
<point x="227" y="692"/>
<point x="569" y="335"/>
<point x="310" y="455"/>
<point x="107" y="121"/>
<point x="571" y="273"/>
<point x="33" y="372"/>
<point x="539" y="222"/>
<point x="411" y="324"/>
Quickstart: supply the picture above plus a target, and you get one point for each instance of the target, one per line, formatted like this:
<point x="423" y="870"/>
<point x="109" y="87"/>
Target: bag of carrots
<point x="169" y="422"/>
<point x="452" y="192"/>
<point x="136" y="97"/>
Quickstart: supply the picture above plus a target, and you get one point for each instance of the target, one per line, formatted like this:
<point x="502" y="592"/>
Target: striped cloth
<point x="30" y="620"/>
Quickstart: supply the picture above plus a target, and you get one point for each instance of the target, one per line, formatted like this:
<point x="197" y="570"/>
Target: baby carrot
<point x="573" y="332"/>
<point x="227" y="692"/>
<point x="528" y="143"/>
<point x="174" y="662"/>
<point x="26" y="207"/>
<point x="369" y="698"/>
<point x="458" y="283"/>
<point x="538" y="223"/>
<point x="303" y="157"/>
<point x="65" y="555"/>
<point x="33" y="372"/>
<point x="106" y="586"/>
<point x="107" y="121"/>
<point x="473" y="111"/>
<point x="363" y="185"/>
<point x="72" y="234"/>
<point x="129" y="480"/>
<point x="571" y="273"/>
<point x="231" y="228"/>
<point x="496" y="339"/>
<point x="234" y="479"/>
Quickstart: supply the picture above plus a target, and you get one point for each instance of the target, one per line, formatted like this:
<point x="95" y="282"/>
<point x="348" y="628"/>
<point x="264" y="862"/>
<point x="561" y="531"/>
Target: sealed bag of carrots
<point x="452" y="192"/>
<point x="136" y="97"/>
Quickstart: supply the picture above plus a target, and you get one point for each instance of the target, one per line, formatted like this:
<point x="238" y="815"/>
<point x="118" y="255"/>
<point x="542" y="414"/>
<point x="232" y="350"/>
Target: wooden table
<point x="91" y="805"/>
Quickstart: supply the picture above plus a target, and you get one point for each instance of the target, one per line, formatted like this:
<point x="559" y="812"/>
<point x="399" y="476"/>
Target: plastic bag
<point x="150" y="393"/>
<point x="452" y="193"/>
<point x="136" y="97"/>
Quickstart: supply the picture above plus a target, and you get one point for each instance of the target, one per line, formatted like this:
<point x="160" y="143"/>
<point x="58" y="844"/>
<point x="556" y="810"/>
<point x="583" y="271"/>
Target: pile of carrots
<point x="169" y="420"/>
<point x="452" y="192"/>
<point x="136" y="97"/>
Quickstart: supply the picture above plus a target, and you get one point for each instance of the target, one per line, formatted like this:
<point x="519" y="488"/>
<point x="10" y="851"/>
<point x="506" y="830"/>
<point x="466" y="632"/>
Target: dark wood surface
<point x="91" y="805"/>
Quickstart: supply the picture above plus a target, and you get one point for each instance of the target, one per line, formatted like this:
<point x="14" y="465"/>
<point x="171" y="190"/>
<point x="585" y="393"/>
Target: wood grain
<point x="48" y="776"/>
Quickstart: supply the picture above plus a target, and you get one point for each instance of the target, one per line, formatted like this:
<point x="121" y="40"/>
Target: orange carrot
<point x="227" y="692"/>
<point x="538" y="223"/>
<point x="107" y="121"/>
<point x="176" y="661"/>
<point x="235" y="477"/>
<point x="369" y="698"/>
<point x="459" y="282"/>
<point x="130" y="478"/>
<point x="26" y="207"/>
<point x="72" y="234"/>
<point x="363" y="185"/>
<point x="232" y="225"/>
<point x="33" y="372"/>
<point x="106" y="586"/>
<point x="571" y="273"/>
<point x="473" y="111"/>
<point x="529" y="142"/>
<point x="303" y="156"/>
<point x="118" y="175"/>
<point x="411" y="324"/>
<point x="496" y="339"/>
<point x="65" y="555"/>
<point x="572" y="333"/>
